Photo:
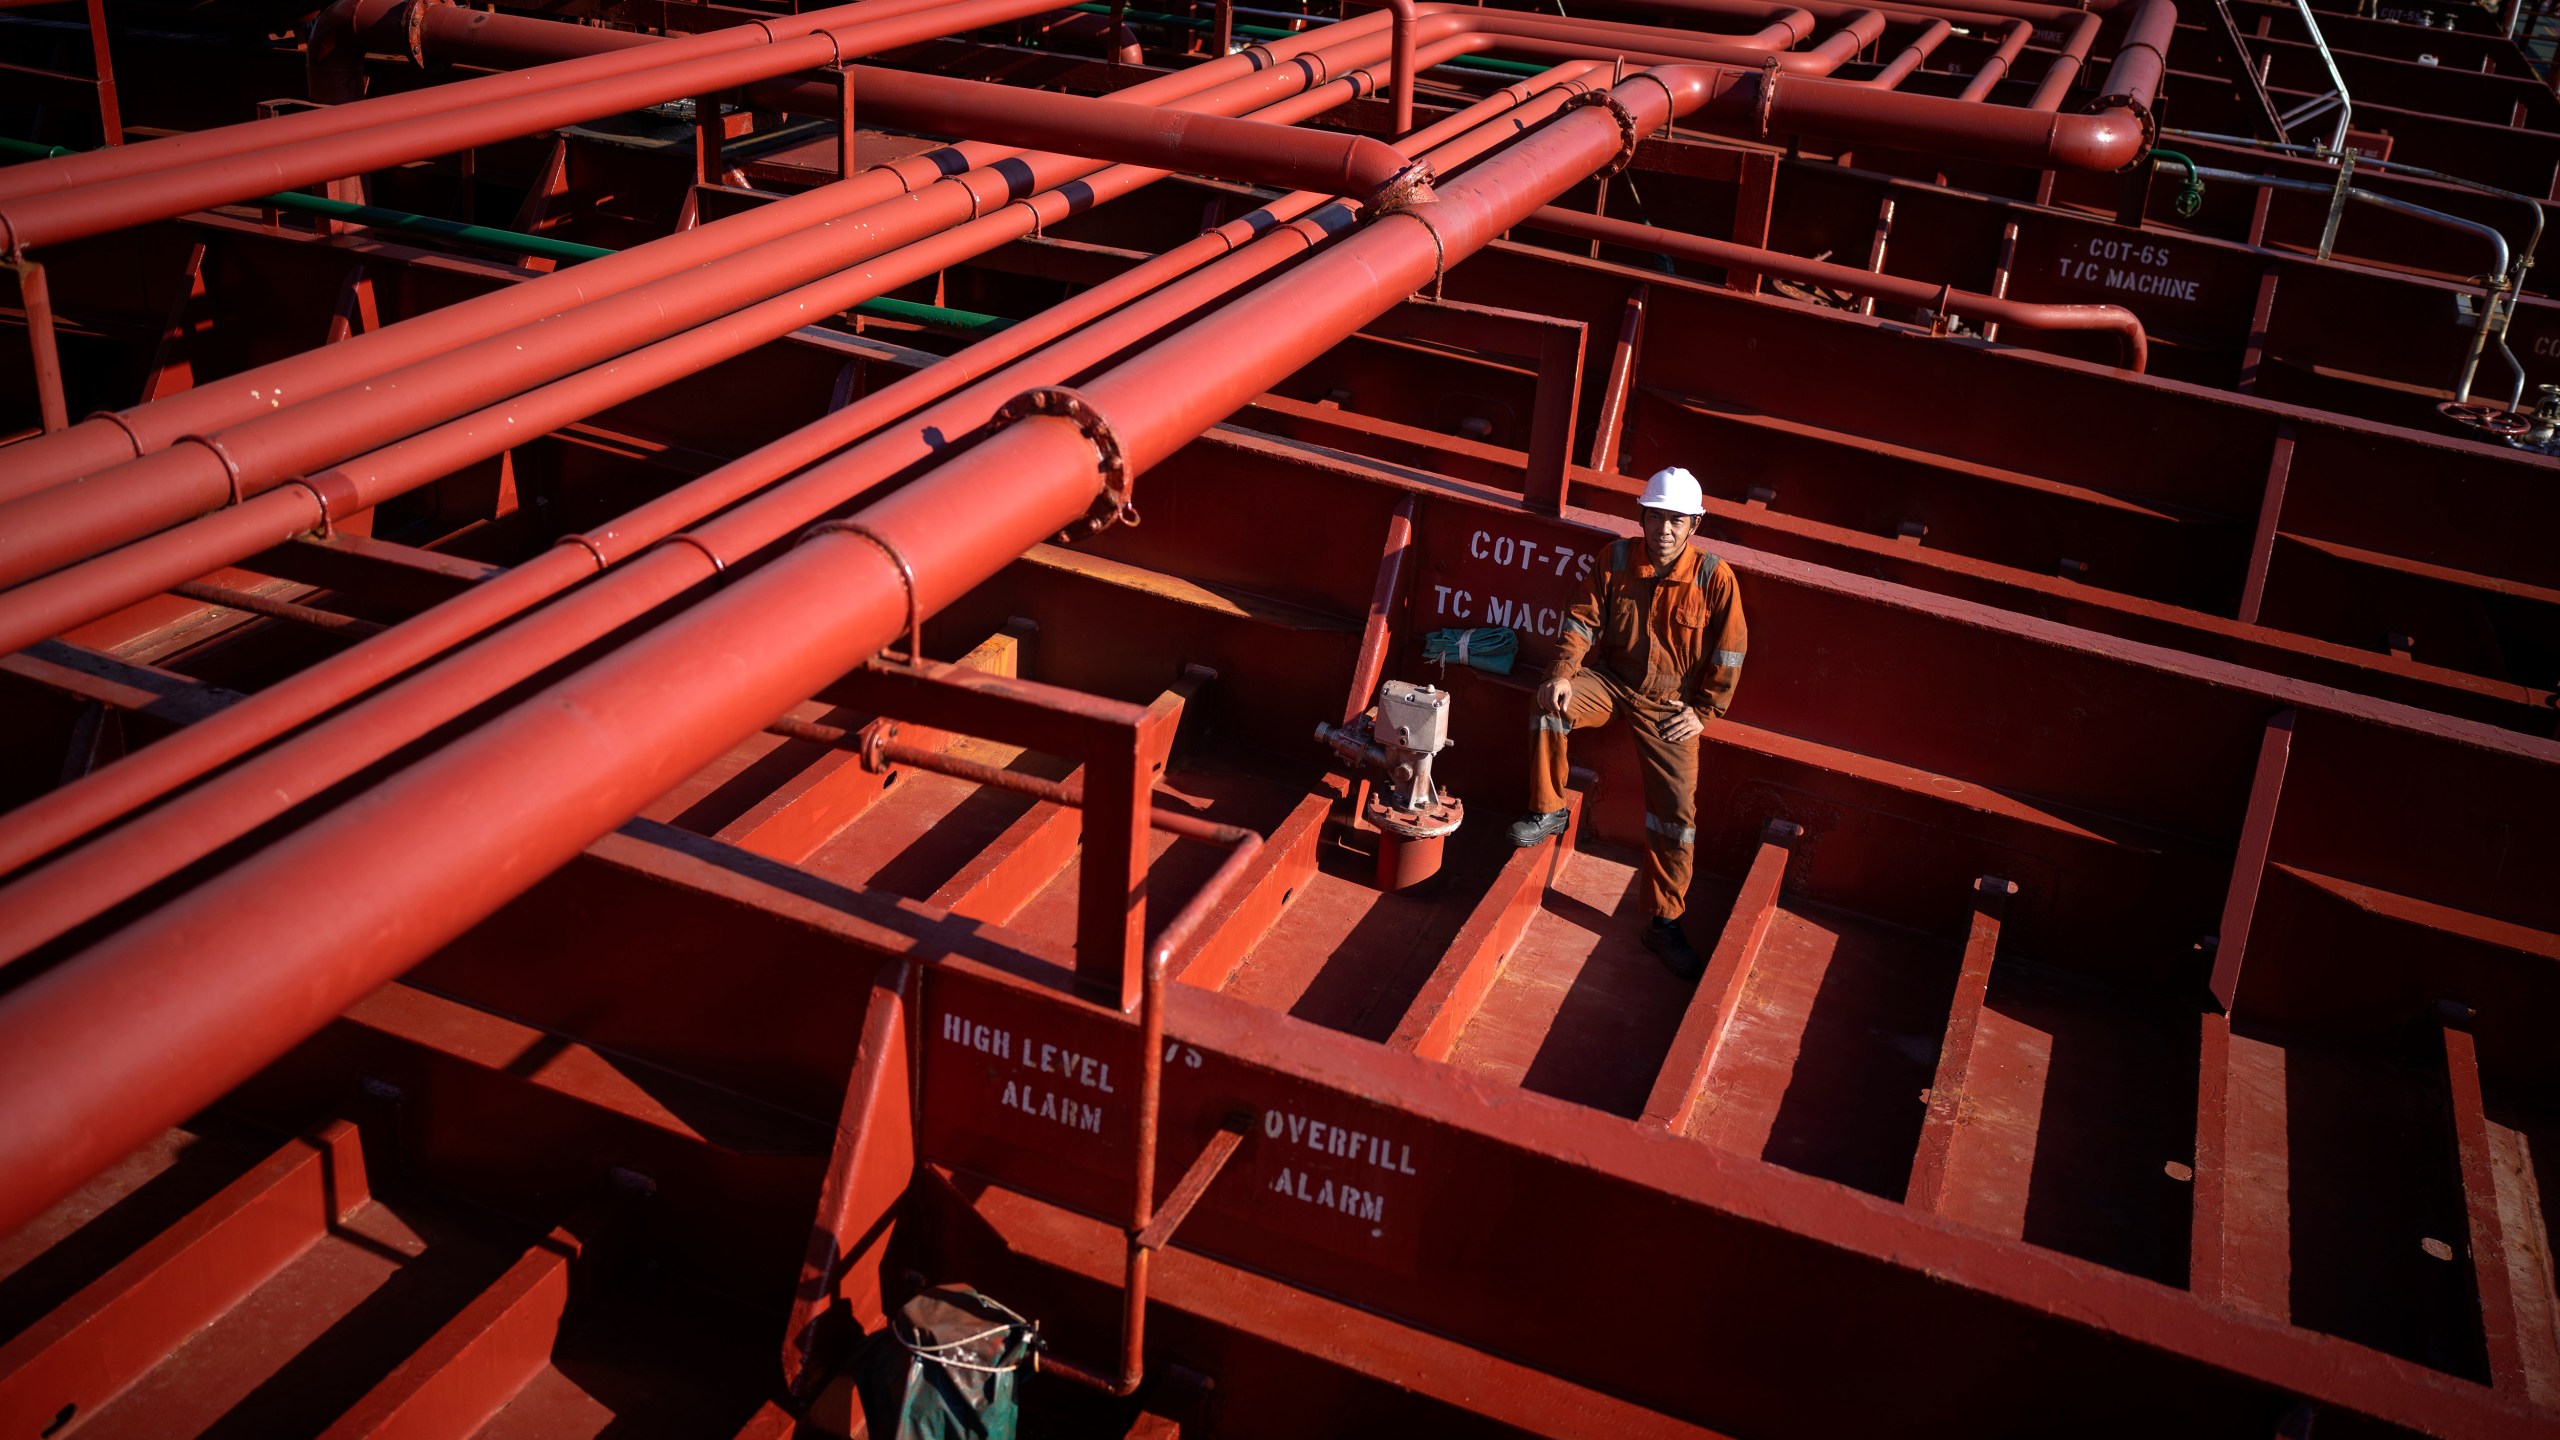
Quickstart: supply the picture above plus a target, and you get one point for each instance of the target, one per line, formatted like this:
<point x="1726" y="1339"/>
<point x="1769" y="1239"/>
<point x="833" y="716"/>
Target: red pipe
<point x="336" y="31"/>
<point x="49" y="901"/>
<point x="448" y="33"/>
<point x="68" y="597"/>
<point x="117" y="1043"/>
<point x="32" y="221"/>
<point x="98" y="444"/>
<point x="61" y="816"/>
<point x="1157" y="137"/>
<point x="1995" y="67"/>
<point x="2122" y="323"/>
<point x="1400" y="29"/>
<point x="45" y="531"/>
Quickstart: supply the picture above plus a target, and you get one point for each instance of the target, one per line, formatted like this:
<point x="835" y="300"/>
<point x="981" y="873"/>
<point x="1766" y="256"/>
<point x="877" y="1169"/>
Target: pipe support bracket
<point x="336" y="496"/>
<point x="906" y="577"/>
<point x="222" y="457"/>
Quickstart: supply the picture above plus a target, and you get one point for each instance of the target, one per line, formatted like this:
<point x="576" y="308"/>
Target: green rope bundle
<point x="1492" y="648"/>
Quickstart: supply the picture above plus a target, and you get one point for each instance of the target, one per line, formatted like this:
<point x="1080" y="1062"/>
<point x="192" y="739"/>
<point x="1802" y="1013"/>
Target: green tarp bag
<point x="944" y="1368"/>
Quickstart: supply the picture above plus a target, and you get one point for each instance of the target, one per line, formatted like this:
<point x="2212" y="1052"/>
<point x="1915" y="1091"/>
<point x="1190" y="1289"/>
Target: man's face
<point x="1665" y="532"/>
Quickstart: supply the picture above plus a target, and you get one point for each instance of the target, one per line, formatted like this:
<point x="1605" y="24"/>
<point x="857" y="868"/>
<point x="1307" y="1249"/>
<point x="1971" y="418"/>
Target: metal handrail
<point x="2498" y="286"/>
<point x="2532" y="206"/>
<point x="2346" y="104"/>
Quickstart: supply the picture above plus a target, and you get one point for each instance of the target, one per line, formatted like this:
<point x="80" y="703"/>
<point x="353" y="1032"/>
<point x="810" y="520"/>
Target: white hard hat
<point x="1675" y="490"/>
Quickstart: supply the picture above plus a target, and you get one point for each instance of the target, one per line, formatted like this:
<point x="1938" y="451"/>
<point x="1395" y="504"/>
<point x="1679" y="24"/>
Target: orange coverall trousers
<point x="1670" y="776"/>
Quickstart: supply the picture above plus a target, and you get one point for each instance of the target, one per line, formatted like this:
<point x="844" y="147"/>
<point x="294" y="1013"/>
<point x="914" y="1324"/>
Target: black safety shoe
<point x="1528" y="830"/>
<point x="1670" y="943"/>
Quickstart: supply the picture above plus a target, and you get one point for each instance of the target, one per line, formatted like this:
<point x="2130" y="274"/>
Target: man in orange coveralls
<point x="1660" y="636"/>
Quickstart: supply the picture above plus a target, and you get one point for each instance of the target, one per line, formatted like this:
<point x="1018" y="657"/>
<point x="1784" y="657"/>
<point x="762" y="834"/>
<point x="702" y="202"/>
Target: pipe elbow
<point x="2106" y="140"/>
<point x="2135" y="341"/>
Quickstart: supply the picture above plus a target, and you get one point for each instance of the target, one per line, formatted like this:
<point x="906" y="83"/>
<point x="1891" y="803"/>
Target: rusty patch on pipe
<point x="1410" y="186"/>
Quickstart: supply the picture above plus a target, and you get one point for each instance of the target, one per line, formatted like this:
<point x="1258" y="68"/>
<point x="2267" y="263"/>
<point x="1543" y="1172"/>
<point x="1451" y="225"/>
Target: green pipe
<point x="454" y="230"/>
<point x="1268" y="32"/>
<point x="964" y="322"/>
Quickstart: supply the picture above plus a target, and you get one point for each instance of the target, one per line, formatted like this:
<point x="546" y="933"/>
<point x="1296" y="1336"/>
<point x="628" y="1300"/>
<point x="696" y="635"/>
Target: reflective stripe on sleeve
<point x="1676" y="834"/>
<point x="1576" y="627"/>
<point x="1551" y="722"/>
<point x="1727" y="659"/>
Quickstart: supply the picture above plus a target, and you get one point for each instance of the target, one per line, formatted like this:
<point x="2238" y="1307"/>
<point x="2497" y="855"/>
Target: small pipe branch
<point x="1942" y="299"/>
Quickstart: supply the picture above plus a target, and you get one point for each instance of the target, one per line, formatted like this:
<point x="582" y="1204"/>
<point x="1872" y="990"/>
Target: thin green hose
<point x="2191" y="193"/>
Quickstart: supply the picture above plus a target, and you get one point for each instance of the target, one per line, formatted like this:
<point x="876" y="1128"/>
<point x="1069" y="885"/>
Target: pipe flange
<point x="1066" y="404"/>
<point x="1627" y="131"/>
<point x="874" y="750"/>
<point x="906" y="577"/>
<point x="1410" y="186"/>
<point x="2142" y="115"/>
<point x="415" y="30"/>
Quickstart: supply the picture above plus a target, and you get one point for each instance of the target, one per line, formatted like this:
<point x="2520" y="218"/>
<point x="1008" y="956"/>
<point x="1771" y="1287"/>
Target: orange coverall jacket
<point x="1670" y="634"/>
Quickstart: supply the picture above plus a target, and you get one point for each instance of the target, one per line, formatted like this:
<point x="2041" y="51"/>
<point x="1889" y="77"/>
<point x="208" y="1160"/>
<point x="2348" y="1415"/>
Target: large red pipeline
<point x="58" y="526"/>
<point x="480" y="38"/>
<point x="61" y="816"/>
<point x="155" y="1022"/>
<point x="117" y="1043"/>
<point x="46" y="530"/>
<point x="45" y="903"/>
<point x="338" y="38"/>
<point x="97" y="444"/>
<point x="33" y="221"/>
<point x="1941" y="299"/>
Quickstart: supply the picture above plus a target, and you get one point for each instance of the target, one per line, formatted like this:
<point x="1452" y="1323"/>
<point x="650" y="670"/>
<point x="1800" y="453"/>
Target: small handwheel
<point x="2500" y="424"/>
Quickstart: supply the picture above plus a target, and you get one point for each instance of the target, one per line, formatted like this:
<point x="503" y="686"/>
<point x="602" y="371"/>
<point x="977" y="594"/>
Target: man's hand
<point x="1683" y="726"/>
<point x="1555" y="695"/>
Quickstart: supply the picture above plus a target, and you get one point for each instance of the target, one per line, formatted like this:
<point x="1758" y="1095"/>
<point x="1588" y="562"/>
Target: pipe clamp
<point x="335" y="494"/>
<point x="687" y="537"/>
<point x="230" y="467"/>
<point x="906" y="576"/>
<point x="118" y="421"/>
<point x="1067" y="404"/>
<point x="1627" y="131"/>
<point x="588" y="544"/>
